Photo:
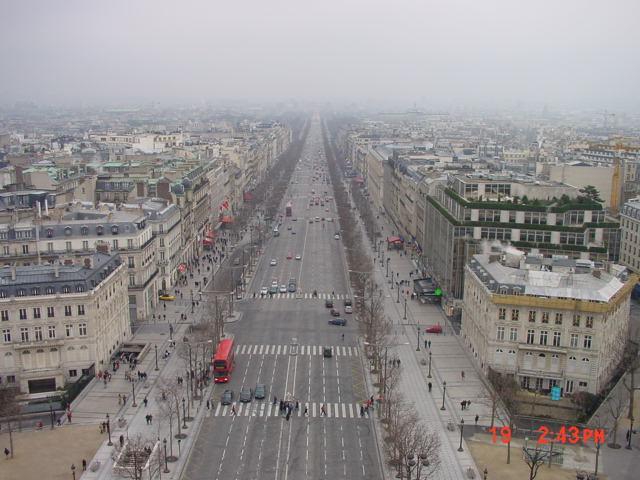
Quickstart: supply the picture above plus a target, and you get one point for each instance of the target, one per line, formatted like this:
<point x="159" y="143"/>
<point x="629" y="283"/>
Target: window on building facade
<point x="68" y="246"/>
<point x="67" y="310"/>
<point x="574" y="217"/>
<point x="515" y="315"/>
<point x="568" y="238"/>
<point x="68" y="330"/>
<point x="49" y="290"/>
<point x="574" y="340"/>
<point x="24" y="334"/>
<point x="73" y="372"/>
<point x="535" y="236"/>
<point x="25" y="249"/>
<point x="50" y="247"/>
<point x="82" y="329"/>
<point x="576" y="320"/>
<point x="558" y="320"/>
<point x="52" y="331"/>
<point x="22" y="313"/>
<point x="131" y="262"/>
<point x="588" y="339"/>
<point x="85" y="245"/>
<point x="21" y="292"/>
<point x="3" y="294"/>
<point x="589" y="321"/>
<point x="66" y="289"/>
<point x="556" y="339"/>
<point x="535" y="218"/>
<point x="513" y="334"/>
<point x="51" y="312"/>
<point x="543" y="337"/>
<point x="4" y="315"/>
<point x="80" y="309"/>
<point x="532" y="316"/>
<point x="130" y="243"/>
<point x="132" y="280"/>
<point x="531" y="334"/>
<point x="37" y="333"/>
<point x="493" y="233"/>
<point x="500" y="334"/>
<point x="6" y="335"/>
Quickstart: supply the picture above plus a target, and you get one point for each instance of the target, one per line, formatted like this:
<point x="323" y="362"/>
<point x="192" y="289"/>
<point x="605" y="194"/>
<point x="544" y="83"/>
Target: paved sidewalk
<point x="449" y="360"/>
<point x="98" y="399"/>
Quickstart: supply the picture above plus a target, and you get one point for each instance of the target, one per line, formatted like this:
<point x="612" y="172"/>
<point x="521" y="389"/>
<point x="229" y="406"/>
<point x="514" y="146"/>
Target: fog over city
<point x="574" y="53"/>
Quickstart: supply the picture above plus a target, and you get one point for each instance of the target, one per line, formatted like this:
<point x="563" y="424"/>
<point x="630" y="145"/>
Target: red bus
<point x="223" y="361"/>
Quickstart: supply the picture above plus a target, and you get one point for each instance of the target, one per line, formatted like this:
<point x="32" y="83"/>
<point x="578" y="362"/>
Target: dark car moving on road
<point x="246" y="394"/>
<point x="338" y="321"/>
<point x="328" y="303"/>
<point x="260" y="391"/>
<point x="227" y="397"/>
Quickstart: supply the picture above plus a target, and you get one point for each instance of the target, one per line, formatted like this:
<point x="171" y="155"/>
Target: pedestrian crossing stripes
<point x="314" y="410"/>
<point x="313" y="350"/>
<point x="301" y="295"/>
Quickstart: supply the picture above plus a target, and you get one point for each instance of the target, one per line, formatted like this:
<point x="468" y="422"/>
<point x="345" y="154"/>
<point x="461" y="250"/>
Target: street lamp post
<point x="460" y="449"/>
<point x="184" y="415"/>
<point x="398" y="289"/>
<point x="110" y="443"/>
<point x="444" y="389"/>
<point x="133" y="390"/>
<point x="418" y="329"/>
<point x="405" y="309"/>
<point x="179" y="440"/>
<point x="429" y="376"/>
<point x="73" y="471"/>
<point x="166" y="466"/>
<point x="391" y="281"/>
<point x="628" y="447"/>
<point x="387" y="273"/>
<point x="156" y="348"/>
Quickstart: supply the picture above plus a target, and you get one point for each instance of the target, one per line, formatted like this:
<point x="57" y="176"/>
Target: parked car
<point x="434" y="329"/>
<point x="167" y="298"/>
<point x="227" y="397"/>
<point x="338" y="321"/>
<point x="260" y="391"/>
<point x="246" y="394"/>
<point x="328" y="303"/>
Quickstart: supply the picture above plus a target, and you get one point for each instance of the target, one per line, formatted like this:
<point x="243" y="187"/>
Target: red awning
<point x="207" y="241"/>
<point x="227" y="219"/>
<point x="394" y="240"/>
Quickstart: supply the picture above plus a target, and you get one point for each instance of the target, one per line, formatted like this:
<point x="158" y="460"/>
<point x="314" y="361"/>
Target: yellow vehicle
<point x="167" y="298"/>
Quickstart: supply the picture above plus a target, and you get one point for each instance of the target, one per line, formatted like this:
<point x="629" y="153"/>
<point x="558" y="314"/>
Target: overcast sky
<point x="477" y="52"/>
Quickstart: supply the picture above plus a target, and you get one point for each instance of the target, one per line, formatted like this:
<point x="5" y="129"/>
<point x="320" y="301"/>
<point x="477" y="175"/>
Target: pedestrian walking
<point x="69" y="416"/>
<point x="6" y="452"/>
<point x="288" y="415"/>
<point x="233" y="410"/>
<point x="150" y="419"/>
<point x="430" y="386"/>
<point x="208" y="404"/>
<point x="297" y="405"/>
<point x="477" y="418"/>
<point x="361" y="411"/>
<point x="462" y="404"/>
<point x="121" y="439"/>
<point x="306" y="411"/>
<point x="323" y="410"/>
<point x="425" y="344"/>
<point x="462" y="375"/>
<point x="275" y="399"/>
<point x="429" y="343"/>
<point x="145" y="401"/>
<point x="119" y="398"/>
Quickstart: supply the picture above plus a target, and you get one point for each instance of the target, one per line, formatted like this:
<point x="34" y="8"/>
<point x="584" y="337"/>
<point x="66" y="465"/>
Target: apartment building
<point x="145" y="142"/>
<point x="63" y="235"/>
<point x="630" y="235"/>
<point x="59" y="322"/>
<point x="547" y="321"/>
<point x="530" y="214"/>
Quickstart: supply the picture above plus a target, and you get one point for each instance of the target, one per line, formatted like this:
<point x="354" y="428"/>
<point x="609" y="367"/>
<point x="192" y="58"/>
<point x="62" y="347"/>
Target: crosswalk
<point x="312" y="350"/>
<point x="314" y="410"/>
<point x="301" y="295"/>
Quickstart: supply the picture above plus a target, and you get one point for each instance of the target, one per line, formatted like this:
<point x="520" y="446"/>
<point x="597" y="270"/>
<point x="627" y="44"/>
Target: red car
<point x="289" y="256"/>
<point x="434" y="329"/>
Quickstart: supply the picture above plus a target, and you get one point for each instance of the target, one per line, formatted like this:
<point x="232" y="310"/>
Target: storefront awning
<point x="394" y="240"/>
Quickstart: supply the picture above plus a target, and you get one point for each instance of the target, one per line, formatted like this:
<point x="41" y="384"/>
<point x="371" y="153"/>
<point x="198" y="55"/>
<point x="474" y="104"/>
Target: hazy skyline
<point x="573" y="53"/>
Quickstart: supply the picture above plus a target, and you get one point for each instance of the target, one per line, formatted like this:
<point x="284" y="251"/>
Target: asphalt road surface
<point x="279" y="342"/>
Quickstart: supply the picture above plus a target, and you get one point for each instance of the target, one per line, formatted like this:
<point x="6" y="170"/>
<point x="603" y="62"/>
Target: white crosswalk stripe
<point x="301" y="295"/>
<point x="311" y="350"/>
<point x="314" y="410"/>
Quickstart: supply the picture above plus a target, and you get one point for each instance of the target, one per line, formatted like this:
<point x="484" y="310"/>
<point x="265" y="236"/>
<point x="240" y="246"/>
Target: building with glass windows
<point x="549" y="321"/>
<point x="533" y="215"/>
<point x="59" y="322"/>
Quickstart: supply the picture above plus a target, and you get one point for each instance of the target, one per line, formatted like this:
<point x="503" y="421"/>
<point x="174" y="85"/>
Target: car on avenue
<point x="227" y="397"/>
<point x="328" y="303"/>
<point x="348" y="309"/>
<point x="337" y="236"/>
<point x="260" y="391"/>
<point x="334" y="312"/>
<point x="168" y="298"/>
<point x="298" y="257"/>
<point x="283" y="288"/>
<point x="264" y="291"/>
<point x="338" y="321"/>
<point x="273" y="262"/>
<point x="246" y="394"/>
<point x="289" y="256"/>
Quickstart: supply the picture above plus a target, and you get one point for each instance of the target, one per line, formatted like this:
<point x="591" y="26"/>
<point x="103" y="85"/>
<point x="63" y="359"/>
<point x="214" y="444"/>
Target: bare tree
<point x="172" y="393"/>
<point x="504" y="391"/>
<point x="616" y="406"/>
<point x="9" y="409"/>
<point x="534" y="459"/>
<point x="134" y="457"/>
